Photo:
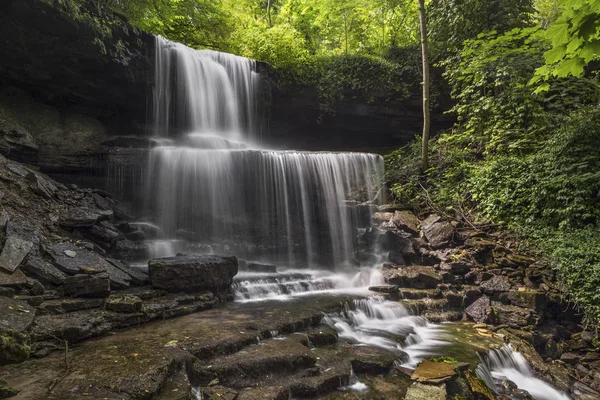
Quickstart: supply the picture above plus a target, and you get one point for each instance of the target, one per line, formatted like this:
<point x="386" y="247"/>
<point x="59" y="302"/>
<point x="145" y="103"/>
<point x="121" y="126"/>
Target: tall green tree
<point x="426" y="116"/>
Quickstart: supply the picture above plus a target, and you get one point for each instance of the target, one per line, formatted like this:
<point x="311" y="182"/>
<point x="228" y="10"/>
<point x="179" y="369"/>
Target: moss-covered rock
<point x="14" y="346"/>
<point x="6" y="391"/>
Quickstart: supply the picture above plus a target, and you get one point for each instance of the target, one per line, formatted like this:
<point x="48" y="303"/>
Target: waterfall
<point x="211" y="182"/>
<point x="505" y="363"/>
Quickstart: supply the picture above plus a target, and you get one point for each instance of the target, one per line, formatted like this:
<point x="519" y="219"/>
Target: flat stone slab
<point x="72" y="259"/>
<point x="192" y="272"/>
<point x="137" y="362"/>
<point x="15" y="314"/>
<point x="14" y="252"/>
<point x="433" y="372"/>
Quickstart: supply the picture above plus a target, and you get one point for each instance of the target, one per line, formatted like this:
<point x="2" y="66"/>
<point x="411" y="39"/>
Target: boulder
<point x="14" y="252"/>
<point x="41" y="185"/>
<point x="437" y="231"/>
<point x="43" y="270"/>
<point x="480" y="310"/>
<point x="129" y="250"/>
<point x="381" y="217"/>
<point x="16" y="314"/>
<point x="496" y="285"/>
<point x="17" y="280"/>
<point x="406" y="221"/>
<point x="320" y="336"/>
<point x="6" y="391"/>
<point x="414" y="276"/>
<point x="96" y="285"/>
<point x="106" y="233"/>
<point x="570" y="358"/>
<point x="189" y="273"/>
<point x="139" y="276"/>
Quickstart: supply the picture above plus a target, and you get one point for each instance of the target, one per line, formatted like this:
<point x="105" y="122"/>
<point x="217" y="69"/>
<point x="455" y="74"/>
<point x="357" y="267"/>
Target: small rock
<point x="14" y="347"/>
<point x="514" y="316"/>
<point x="320" y="336"/>
<point x="16" y="314"/>
<point x="381" y="217"/>
<point x="570" y="358"/>
<point x="414" y="276"/>
<point x="43" y="270"/>
<point x="14" y="252"/>
<point x="373" y="361"/>
<point x="79" y="217"/>
<point x="70" y="253"/>
<point x="433" y="372"/>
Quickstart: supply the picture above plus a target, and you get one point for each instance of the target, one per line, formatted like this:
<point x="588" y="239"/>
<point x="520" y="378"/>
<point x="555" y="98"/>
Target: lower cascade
<point x="498" y="366"/>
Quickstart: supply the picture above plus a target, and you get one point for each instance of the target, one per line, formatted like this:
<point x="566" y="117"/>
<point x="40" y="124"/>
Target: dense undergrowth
<point x="529" y="162"/>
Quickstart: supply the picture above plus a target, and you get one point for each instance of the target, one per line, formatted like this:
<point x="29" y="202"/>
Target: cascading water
<point x="506" y="363"/>
<point x="212" y="184"/>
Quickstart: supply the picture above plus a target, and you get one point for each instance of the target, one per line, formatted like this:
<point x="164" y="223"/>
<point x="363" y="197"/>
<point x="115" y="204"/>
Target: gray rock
<point x="97" y="285"/>
<point x="14" y="251"/>
<point x="256" y="267"/>
<point x="84" y="261"/>
<point x="16" y="314"/>
<point x="43" y="270"/>
<point x="63" y="306"/>
<point x="41" y="185"/>
<point x="396" y="258"/>
<point x="139" y="276"/>
<point x="437" y="231"/>
<point x="192" y="272"/>
<point x="372" y="360"/>
<point x="498" y="284"/>
<point x="531" y="299"/>
<point x="129" y="250"/>
<point x="480" y="310"/>
<point x="570" y="358"/>
<point x="414" y="276"/>
<point x="79" y="217"/>
<point x="14" y="348"/>
<point x="391" y="241"/>
<point x="514" y="316"/>
<point x="106" y="233"/>
<point x="17" y="280"/>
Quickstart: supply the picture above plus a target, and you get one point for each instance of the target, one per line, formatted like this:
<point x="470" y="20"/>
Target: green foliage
<point x="575" y="39"/>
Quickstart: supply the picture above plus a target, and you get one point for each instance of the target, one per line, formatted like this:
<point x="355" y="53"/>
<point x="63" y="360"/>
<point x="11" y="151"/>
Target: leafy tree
<point x="575" y="39"/>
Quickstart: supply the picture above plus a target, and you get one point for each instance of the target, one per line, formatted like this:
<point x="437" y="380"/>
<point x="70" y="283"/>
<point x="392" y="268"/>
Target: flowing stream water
<point x="214" y="186"/>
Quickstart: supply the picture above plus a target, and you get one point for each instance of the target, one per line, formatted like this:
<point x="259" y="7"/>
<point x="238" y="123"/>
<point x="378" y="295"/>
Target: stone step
<point x="265" y="362"/>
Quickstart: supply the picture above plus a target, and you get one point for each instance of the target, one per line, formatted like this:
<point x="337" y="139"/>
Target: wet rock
<point x="137" y="235"/>
<point x="320" y="336"/>
<point x="96" y="285"/>
<point x="433" y="372"/>
<point x="396" y="258"/>
<point x="391" y="290"/>
<point x="406" y="221"/>
<point x="218" y="393"/>
<point x="480" y="310"/>
<point x="124" y="304"/>
<point x="455" y="299"/>
<point x="14" y="251"/>
<point x="129" y="250"/>
<point x="14" y="346"/>
<point x="139" y="276"/>
<point x="514" y="316"/>
<point x="417" y="294"/>
<point x="374" y="361"/>
<point x="105" y="233"/>
<point x="256" y="267"/>
<point x="419" y="391"/>
<point x="391" y="241"/>
<point x="365" y="257"/>
<point x="437" y="231"/>
<point x="192" y="272"/>
<point x="531" y="299"/>
<point x="414" y="276"/>
<point x="80" y="217"/>
<point x="264" y="393"/>
<point x="496" y="285"/>
<point x="43" y="270"/>
<point x="132" y="142"/>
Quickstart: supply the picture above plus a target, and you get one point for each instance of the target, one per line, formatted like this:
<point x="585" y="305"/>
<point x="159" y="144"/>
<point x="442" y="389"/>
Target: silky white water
<point x="211" y="182"/>
<point x="506" y="363"/>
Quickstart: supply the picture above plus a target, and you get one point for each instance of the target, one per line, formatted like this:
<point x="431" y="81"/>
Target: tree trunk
<point x="269" y="12"/>
<point x="426" y="118"/>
